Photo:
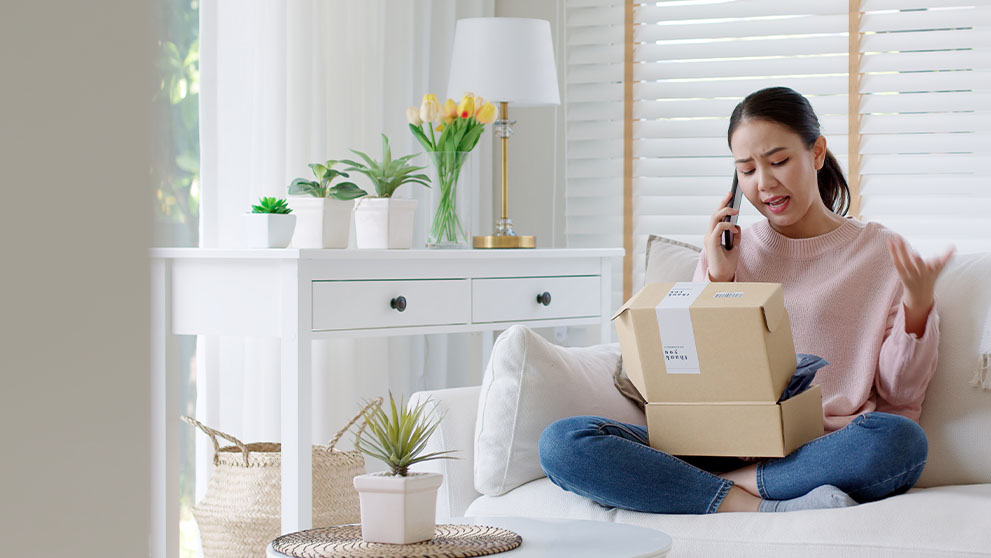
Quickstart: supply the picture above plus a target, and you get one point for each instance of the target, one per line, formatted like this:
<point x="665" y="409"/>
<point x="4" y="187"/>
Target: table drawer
<point x="369" y="304"/>
<point x="515" y="299"/>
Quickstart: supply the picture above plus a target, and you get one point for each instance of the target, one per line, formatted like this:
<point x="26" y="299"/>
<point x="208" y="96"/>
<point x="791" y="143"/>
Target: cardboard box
<point x="741" y="333"/>
<point x="736" y="428"/>
<point x="712" y="359"/>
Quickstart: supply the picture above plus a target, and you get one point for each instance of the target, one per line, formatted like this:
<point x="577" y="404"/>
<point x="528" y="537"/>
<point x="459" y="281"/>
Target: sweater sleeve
<point x="906" y="363"/>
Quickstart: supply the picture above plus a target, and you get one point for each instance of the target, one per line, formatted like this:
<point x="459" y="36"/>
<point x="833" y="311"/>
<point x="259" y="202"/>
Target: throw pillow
<point x="956" y="415"/>
<point x="528" y="384"/>
<point x="669" y="260"/>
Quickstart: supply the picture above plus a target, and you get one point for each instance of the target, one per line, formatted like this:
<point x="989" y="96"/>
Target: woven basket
<point x="241" y="511"/>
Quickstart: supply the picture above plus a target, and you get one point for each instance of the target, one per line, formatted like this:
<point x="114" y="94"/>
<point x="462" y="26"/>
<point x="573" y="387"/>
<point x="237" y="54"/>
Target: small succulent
<point x="388" y="174"/>
<point x="321" y="188"/>
<point x="399" y="436"/>
<point x="271" y="205"/>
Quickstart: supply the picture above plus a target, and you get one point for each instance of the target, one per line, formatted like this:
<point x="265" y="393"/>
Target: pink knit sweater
<point x="843" y="297"/>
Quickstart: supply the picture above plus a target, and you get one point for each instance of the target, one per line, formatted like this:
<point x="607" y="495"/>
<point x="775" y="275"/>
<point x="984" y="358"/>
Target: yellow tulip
<point x="413" y="115"/>
<point x="429" y="108"/>
<point x="487" y="113"/>
<point x="479" y="103"/>
<point x="467" y="108"/>
<point x="450" y="110"/>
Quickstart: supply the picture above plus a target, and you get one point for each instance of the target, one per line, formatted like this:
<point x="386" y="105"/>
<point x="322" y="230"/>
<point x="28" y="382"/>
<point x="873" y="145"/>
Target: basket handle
<point x="214" y="434"/>
<point x="377" y="402"/>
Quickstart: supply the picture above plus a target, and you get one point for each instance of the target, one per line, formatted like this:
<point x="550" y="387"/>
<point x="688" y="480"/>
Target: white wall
<point x="75" y="108"/>
<point x="536" y="150"/>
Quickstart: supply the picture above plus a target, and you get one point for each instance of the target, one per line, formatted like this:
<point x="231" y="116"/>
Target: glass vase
<point x="450" y="199"/>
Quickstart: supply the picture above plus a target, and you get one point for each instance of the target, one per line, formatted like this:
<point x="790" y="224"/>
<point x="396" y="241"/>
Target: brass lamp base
<point x="504" y="241"/>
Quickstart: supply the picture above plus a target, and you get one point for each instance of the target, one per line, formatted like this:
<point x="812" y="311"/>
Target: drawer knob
<point x="399" y="303"/>
<point x="544" y="298"/>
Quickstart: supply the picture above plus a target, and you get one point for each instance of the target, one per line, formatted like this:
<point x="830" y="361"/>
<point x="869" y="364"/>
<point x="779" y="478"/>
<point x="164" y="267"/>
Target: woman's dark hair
<point x="790" y="109"/>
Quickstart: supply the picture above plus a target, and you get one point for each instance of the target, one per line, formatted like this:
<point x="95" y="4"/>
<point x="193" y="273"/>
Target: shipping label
<point x="675" y="324"/>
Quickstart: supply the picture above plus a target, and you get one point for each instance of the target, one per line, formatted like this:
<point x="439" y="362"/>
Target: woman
<point x="856" y="295"/>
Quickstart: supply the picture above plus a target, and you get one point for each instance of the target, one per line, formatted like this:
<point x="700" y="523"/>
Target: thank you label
<point x="675" y="324"/>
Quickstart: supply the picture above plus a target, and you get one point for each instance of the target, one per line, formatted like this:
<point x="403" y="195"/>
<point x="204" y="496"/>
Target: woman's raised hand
<point x="722" y="262"/>
<point x="918" y="278"/>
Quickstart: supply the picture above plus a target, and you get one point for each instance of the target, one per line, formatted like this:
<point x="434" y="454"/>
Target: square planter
<point x="384" y="223"/>
<point x="267" y="230"/>
<point x="321" y="222"/>
<point x="398" y="510"/>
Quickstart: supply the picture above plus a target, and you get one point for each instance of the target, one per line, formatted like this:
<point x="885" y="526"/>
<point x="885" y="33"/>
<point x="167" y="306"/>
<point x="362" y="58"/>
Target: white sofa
<point x="947" y="514"/>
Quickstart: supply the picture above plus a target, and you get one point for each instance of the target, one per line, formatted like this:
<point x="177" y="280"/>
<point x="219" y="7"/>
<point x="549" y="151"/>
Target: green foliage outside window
<point x="176" y="172"/>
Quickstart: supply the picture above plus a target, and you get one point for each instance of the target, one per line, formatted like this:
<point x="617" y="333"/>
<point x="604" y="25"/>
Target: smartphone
<point x="735" y="204"/>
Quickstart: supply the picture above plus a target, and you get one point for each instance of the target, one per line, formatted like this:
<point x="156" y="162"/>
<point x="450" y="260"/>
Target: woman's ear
<point x="819" y="152"/>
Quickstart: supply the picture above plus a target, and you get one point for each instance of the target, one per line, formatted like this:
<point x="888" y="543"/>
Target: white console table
<point x="304" y="295"/>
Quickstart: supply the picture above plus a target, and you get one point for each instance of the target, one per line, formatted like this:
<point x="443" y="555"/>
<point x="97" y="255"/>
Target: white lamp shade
<point x="504" y="59"/>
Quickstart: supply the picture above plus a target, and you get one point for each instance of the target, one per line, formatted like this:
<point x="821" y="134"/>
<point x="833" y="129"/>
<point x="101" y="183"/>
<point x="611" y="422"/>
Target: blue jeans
<point x="875" y="456"/>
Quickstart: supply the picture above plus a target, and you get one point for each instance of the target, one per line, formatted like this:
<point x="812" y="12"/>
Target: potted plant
<point x="398" y="506"/>
<point x="269" y="225"/>
<point x="382" y="221"/>
<point x="324" y="211"/>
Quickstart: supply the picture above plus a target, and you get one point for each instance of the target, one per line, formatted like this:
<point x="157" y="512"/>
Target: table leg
<point x="479" y="353"/>
<point x="297" y="466"/>
<point x="164" y="418"/>
<point x="605" y="283"/>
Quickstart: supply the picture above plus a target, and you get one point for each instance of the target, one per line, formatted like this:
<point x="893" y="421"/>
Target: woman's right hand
<point x="722" y="262"/>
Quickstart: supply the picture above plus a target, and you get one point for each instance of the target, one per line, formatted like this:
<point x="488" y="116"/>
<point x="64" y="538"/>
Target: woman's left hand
<point x="918" y="278"/>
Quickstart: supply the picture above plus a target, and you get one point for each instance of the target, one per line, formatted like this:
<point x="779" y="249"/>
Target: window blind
<point x="925" y="115"/>
<point x="593" y="107"/>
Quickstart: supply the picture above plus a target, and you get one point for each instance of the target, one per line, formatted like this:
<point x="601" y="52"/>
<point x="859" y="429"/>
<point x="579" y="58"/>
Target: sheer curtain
<point x="285" y="84"/>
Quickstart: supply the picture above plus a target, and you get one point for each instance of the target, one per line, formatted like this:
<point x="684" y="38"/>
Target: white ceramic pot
<point x="398" y="510"/>
<point x="384" y="223"/>
<point x="267" y="230"/>
<point x="321" y="222"/>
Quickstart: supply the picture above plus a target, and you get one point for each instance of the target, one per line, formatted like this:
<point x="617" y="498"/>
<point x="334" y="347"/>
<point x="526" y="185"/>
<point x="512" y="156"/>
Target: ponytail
<point x="833" y="188"/>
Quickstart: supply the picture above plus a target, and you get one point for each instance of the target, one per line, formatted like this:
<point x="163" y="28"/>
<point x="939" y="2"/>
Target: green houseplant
<point x="325" y="173"/>
<point x="398" y="506"/>
<point x="388" y="174"/>
<point x="383" y="221"/>
<point x="273" y="206"/>
<point x="270" y="224"/>
<point x="324" y="210"/>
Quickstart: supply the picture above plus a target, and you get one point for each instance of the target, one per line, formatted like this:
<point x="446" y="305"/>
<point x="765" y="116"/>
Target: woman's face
<point x="778" y="175"/>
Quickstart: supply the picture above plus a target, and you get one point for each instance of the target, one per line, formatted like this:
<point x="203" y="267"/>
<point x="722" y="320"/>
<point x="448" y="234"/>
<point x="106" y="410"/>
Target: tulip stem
<point x="447" y="227"/>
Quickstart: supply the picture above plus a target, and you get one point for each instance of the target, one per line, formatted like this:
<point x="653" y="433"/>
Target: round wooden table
<point x="569" y="538"/>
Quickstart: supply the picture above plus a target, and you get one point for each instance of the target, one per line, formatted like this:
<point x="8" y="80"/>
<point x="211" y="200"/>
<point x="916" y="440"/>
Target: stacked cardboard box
<point x="712" y="360"/>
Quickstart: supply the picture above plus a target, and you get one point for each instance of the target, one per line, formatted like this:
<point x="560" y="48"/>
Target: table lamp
<point x="506" y="60"/>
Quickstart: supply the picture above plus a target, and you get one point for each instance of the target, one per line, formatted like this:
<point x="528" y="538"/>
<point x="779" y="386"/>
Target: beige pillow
<point x="956" y="416"/>
<point x="529" y="384"/>
<point x="669" y="261"/>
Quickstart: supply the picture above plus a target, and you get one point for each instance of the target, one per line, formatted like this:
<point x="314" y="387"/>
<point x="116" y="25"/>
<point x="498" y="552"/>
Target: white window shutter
<point x="593" y="96"/>
<point x="926" y="121"/>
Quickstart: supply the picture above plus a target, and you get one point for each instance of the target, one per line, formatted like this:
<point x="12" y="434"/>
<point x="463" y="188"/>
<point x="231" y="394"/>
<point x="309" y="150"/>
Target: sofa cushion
<point x="528" y="384"/>
<point x="931" y="523"/>
<point x="669" y="260"/>
<point x="955" y="415"/>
